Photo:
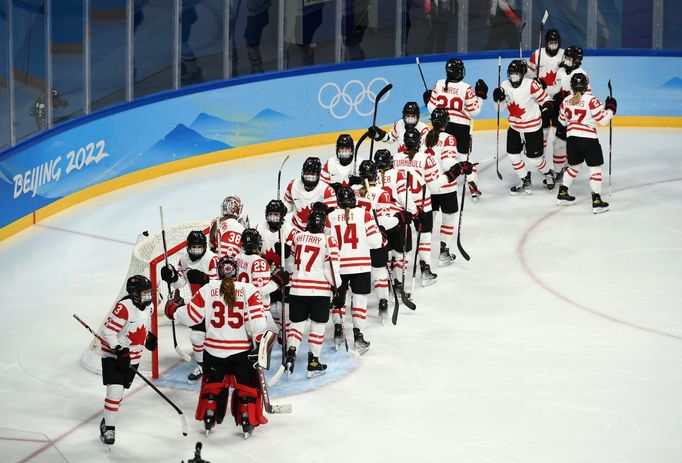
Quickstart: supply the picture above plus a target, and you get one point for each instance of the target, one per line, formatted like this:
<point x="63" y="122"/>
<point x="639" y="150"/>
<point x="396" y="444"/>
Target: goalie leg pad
<point x="247" y="400"/>
<point x="265" y="348"/>
<point x="208" y="399"/>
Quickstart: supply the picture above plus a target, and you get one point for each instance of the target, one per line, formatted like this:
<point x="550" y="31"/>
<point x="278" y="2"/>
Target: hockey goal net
<point x="147" y="260"/>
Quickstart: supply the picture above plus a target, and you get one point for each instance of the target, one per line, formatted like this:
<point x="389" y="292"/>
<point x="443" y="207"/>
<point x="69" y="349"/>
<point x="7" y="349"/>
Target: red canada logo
<point x="303" y="214"/>
<point x="515" y="110"/>
<point x="138" y="336"/>
<point x="550" y="78"/>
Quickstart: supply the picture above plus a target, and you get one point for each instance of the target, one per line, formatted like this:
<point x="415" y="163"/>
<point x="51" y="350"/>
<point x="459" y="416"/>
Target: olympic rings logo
<point x="354" y="96"/>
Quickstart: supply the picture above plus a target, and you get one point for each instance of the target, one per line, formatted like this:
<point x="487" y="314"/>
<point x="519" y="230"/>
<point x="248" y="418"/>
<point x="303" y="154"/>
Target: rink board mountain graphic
<point x="673" y="84"/>
<point x="182" y="142"/>
<point x="259" y="128"/>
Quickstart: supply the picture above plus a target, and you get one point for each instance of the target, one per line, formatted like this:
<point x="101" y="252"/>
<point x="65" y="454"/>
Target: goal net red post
<point x="148" y="259"/>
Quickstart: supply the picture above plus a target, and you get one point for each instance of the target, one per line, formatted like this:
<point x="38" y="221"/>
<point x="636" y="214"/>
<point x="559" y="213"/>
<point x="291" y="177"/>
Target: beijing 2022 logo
<point x="353" y="96"/>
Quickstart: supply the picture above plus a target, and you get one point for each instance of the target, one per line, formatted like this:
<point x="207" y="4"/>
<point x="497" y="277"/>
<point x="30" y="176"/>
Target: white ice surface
<point x="560" y="341"/>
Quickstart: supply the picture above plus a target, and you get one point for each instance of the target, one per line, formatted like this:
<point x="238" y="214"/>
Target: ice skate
<point x="523" y="188"/>
<point x="558" y="176"/>
<point x="563" y="198"/>
<point x="598" y="206"/>
<point x="548" y="181"/>
<point x="247" y="427"/>
<point x="290" y="360"/>
<point x="107" y="434"/>
<point x="338" y="335"/>
<point x="315" y="368"/>
<point x="383" y="310"/>
<point x="195" y="375"/>
<point x="209" y="421"/>
<point x="475" y="192"/>
<point x="360" y="345"/>
<point x="399" y="288"/>
<point x="428" y="277"/>
<point x="445" y="258"/>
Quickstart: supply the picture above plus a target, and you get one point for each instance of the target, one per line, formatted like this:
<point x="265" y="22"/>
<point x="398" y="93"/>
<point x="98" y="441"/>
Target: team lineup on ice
<point x="405" y="295"/>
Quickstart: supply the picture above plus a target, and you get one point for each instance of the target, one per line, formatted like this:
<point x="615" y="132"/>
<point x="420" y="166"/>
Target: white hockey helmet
<point x="232" y="206"/>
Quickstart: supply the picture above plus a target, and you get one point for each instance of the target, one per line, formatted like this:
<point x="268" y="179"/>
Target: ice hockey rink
<point x="559" y="341"/>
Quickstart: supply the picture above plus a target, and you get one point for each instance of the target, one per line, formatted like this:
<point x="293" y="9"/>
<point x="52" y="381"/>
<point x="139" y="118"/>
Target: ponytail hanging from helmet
<point x="228" y="291"/>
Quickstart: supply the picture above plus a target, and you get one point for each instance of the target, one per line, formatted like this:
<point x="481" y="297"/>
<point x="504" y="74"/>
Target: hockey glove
<point x="173" y="304"/>
<point x="404" y="217"/>
<point x="540" y="82"/>
<point x="122" y="356"/>
<point x="151" y="342"/>
<point x="281" y="277"/>
<point x="336" y="186"/>
<point x="611" y="104"/>
<point x="559" y="96"/>
<point x="548" y="106"/>
<point x="354" y="180"/>
<point x="499" y="95"/>
<point x="417" y="220"/>
<point x="464" y="167"/>
<point x="197" y="277"/>
<point x="320" y="206"/>
<point x="376" y="133"/>
<point x="426" y="96"/>
<point x="481" y="89"/>
<point x="339" y="298"/>
<point x="169" y="274"/>
<point x="287" y="250"/>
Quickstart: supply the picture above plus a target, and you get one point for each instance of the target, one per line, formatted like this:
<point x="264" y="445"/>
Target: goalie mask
<point x="310" y="174"/>
<point x="196" y="245"/>
<point x="515" y="72"/>
<point x="227" y="268"/>
<point x="139" y="288"/>
<point x="251" y="241"/>
<point x="411" y="114"/>
<point x="232" y="206"/>
<point x="274" y="214"/>
<point x="344" y="149"/>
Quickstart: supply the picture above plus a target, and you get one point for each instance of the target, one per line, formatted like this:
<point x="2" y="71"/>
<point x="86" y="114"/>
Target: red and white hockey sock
<point x="380" y="277"/>
<point x="518" y="164"/>
<point x="570" y="175"/>
<point x="424" y="251"/>
<point x="359" y="311"/>
<point x="541" y="164"/>
<point x="473" y="176"/>
<point x="197" y="337"/>
<point x="338" y="313"/>
<point x="595" y="179"/>
<point x="559" y="154"/>
<point x="295" y="334"/>
<point x="400" y="264"/>
<point x="447" y="228"/>
<point x="316" y="337"/>
<point x="111" y="403"/>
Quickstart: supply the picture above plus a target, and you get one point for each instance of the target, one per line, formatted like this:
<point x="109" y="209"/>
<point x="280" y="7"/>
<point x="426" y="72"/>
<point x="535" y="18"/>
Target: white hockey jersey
<point x="255" y="269"/>
<point x="355" y="234"/>
<point x="423" y="170"/>
<point x="207" y="265"/>
<point x="549" y="67"/>
<point x="563" y="81"/>
<point x="270" y="238"/>
<point x="334" y="172"/>
<point x="229" y="330"/>
<point x="393" y="180"/>
<point x="299" y="200"/>
<point x="458" y="98"/>
<point x="522" y="103"/>
<point x="127" y="326"/>
<point x="445" y="154"/>
<point x="315" y="254"/>
<point x="581" y="119"/>
<point x="228" y="237"/>
<point x="397" y="132"/>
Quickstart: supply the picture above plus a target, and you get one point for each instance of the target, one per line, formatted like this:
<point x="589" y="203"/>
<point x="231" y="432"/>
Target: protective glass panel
<point x="624" y="24"/>
<point x="201" y="40"/>
<point x="495" y="25"/>
<point x="431" y="26"/>
<point x="368" y="29"/>
<point x="4" y="77"/>
<point x="153" y="45"/>
<point x="569" y="18"/>
<point x="310" y="32"/>
<point x="29" y="67"/>
<point x="107" y="48"/>
<point x="67" y="60"/>
<point x="672" y="25"/>
<point x="254" y="36"/>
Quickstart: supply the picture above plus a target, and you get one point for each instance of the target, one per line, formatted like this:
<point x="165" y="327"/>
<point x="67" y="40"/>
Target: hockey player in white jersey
<point x="315" y="277"/>
<point x="523" y="98"/>
<point x="550" y="58"/>
<point x="235" y="331"/>
<point x="581" y="112"/>
<point x="356" y="233"/>
<point x="226" y="231"/>
<point x="302" y="192"/>
<point x="410" y="120"/>
<point x="196" y="266"/>
<point x="462" y="102"/>
<point x="338" y="171"/>
<point x="126" y="333"/>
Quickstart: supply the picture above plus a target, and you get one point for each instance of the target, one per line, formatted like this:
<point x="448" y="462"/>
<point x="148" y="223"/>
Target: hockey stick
<point x="403" y="296"/>
<point x="416" y="249"/>
<point x="283" y="264"/>
<point x="183" y="355"/>
<point x="542" y="27"/>
<point x="610" y="137"/>
<point x="351" y="352"/>
<point x="461" y="207"/>
<point x="497" y="149"/>
<point x="521" y="39"/>
<point x="104" y="343"/>
<point x="378" y="98"/>
<point x="279" y="176"/>
<point x="357" y="148"/>
<point x="422" y="74"/>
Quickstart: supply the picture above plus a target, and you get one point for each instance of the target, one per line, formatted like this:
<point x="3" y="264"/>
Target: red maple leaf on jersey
<point x="138" y="336"/>
<point x="515" y="110"/>
<point x="303" y="214"/>
<point x="550" y="78"/>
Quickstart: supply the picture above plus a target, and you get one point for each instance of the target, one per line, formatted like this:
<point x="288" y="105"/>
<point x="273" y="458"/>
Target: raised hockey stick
<point x="497" y="149"/>
<point x="183" y="355"/>
<point x="421" y="73"/>
<point x="521" y="40"/>
<point x="279" y="176"/>
<point x="378" y="98"/>
<point x="461" y="207"/>
<point x="149" y="383"/>
<point x="542" y="27"/>
<point x="610" y="137"/>
<point x="355" y="154"/>
<point x="416" y="248"/>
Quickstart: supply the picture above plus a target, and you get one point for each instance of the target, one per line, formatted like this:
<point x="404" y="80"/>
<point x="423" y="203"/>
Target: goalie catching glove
<point x="173" y="304"/>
